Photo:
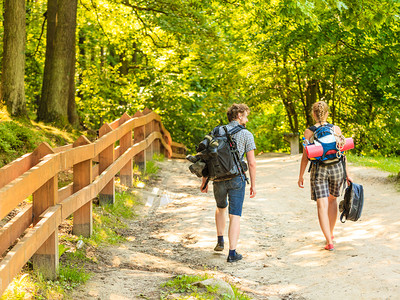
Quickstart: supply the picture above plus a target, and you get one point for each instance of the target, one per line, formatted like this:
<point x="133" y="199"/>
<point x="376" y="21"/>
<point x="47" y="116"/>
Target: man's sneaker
<point x="234" y="258"/>
<point x="219" y="247"/>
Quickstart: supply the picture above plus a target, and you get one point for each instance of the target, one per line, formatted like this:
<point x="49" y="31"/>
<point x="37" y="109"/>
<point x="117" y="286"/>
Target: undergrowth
<point x="388" y="164"/>
<point x="18" y="137"/>
<point x="184" y="285"/>
<point x="108" y="222"/>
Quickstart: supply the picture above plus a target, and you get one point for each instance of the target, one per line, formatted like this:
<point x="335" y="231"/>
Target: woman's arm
<point x="304" y="160"/>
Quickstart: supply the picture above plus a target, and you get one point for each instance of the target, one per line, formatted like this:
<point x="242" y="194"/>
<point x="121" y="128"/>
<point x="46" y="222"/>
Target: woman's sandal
<point x="329" y="247"/>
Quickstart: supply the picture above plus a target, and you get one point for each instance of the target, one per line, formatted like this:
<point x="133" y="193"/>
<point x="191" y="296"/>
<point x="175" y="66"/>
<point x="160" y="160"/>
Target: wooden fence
<point x="32" y="233"/>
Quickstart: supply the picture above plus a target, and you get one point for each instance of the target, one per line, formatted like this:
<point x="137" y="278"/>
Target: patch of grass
<point x="183" y="284"/>
<point x="151" y="167"/>
<point x="158" y="157"/>
<point x="388" y="164"/>
<point x="32" y="285"/>
<point x="71" y="277"/>
<point x="109" y="219"/>
<point x="20" y="136"/>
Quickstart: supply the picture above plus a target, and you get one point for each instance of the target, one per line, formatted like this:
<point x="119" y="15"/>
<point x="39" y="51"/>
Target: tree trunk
<point x="57" y="103"/>
<point x="311" y="98"/>
<point x="13" y="70"/>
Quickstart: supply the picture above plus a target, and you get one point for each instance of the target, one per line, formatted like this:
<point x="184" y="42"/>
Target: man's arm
<point x="251" y="160"/>
<point x="203" y="181"/>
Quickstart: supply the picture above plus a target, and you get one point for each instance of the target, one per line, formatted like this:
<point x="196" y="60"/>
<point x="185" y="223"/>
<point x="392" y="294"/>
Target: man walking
<point x="232" y="191"/>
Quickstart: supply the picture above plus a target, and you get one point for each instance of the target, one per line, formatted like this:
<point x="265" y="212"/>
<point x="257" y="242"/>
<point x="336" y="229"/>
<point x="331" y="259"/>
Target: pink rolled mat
<point x="315" y="151"/>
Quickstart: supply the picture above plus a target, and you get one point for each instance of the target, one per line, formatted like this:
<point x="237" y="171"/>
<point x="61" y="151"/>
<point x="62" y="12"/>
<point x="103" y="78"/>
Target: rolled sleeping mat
<point x="317" y="150"/>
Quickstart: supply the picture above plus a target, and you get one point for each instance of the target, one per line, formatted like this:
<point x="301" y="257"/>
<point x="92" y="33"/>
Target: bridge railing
<point x="32" y="233"/>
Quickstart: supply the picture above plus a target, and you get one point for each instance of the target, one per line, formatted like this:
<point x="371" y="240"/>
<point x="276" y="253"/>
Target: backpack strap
<point x="343" y="161"/>
<point x="216" y="131"/>
<point x="236" y="129"/>
<point x="314" y="128"/>
<point x="235" y="152"/>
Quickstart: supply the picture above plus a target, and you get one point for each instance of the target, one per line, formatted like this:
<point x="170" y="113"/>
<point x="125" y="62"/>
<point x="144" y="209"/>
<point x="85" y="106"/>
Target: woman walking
<point x="325" y="178"/>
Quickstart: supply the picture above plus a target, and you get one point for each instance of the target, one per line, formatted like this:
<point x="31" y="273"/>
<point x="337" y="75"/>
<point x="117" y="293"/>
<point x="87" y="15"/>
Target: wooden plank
<point x="106" y="158"/>
<point x="75" y="201"/>
<point x="177" y="155"/>
<point x="65" y="192"/>
<point x="14" y="228"/>
<point x="47" y="194"/>
<point x="62" y="148"/>
<point x="114" y="124"/>
<point x="166" y="134"/>
<point x="76" y="155"/>
<point x="21" y="165"/>
<point x="82" y="222"/>
<point x="168" y="149"/>
<point x="157" y="142"/>
<point x="46" y="258"/>
<point x="14" y="169"/>
<point x="111" y="137"/>
<point x="95" y="170"/>
<point x="149" y="130"/>
<point x="179" y="145"/>
<point x="126" y="173"/>
<point x="138" y="136"/>
<point x="13" y="262"/>
<point x="22" y="187"/>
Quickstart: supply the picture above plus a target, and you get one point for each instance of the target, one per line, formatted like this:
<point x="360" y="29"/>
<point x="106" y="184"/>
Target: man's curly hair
<point x="235" y="109"/>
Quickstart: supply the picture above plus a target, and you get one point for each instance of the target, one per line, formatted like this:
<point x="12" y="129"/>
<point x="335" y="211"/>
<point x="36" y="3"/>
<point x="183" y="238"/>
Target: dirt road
<point x="280" y="240"/>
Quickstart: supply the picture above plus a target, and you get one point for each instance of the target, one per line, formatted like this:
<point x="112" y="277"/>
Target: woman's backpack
<point x="324" y="136"/>
<point x="352" y="204"/>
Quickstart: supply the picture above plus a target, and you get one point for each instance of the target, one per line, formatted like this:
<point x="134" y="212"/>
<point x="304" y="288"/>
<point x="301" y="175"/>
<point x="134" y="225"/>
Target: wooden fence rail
<point x="94" y="167"/>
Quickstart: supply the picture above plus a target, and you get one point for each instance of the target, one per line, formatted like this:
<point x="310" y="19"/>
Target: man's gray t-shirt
<point x="244" y="138"/>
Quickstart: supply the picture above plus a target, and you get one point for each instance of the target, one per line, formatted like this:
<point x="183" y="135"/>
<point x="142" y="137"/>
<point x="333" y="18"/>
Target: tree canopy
<point x="189" y="60"/>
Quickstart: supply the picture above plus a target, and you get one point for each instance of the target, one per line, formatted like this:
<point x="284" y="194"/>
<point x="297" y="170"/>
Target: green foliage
<point x="151" y="167"/>
<point x="388" y="164"/>
<point x="15" y="139"/>
<point x="32" y="285"/>
<point x="190" y="60"/>
<point x="109" y="220"/>
<point x="183" y="284"/>
<point x="158" y="157"/>
<point x="71" y="277"/>
<point x="18" y="138"/>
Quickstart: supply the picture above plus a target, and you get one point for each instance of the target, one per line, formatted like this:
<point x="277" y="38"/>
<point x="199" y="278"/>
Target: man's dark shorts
<point x="232" y="190"/>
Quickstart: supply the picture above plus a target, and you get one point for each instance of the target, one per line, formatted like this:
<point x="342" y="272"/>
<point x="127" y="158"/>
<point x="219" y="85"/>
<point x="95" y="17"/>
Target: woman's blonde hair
<point x="319" y="111"/>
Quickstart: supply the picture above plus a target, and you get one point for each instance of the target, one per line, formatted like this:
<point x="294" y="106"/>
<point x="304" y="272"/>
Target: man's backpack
<point x="352" y="204"/>
<point x="218" y="156"/>
<point x="324" y="135"/>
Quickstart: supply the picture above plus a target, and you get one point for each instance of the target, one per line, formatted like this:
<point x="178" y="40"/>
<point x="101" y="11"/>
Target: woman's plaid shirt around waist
<point x="244" y="138"/>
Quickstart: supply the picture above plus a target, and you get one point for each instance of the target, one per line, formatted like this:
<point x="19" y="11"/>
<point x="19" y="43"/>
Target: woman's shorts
<point x="232" y="190"/>
<point x="326" y="181"/>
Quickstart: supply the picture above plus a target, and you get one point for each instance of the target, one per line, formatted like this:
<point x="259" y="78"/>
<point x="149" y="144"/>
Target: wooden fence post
<point x="45" y="259"/>
<point x="126" y="173"/>
<point x="83" y="224"/>
<point x="149" y="130"/>
<point x="138" y="136"/>
<point x="157" y="142"/>
<point x="106" y="158"/>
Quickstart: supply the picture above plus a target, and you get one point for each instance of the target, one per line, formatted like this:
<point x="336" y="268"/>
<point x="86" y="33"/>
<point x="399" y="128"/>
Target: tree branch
<point x="138" y="8"/>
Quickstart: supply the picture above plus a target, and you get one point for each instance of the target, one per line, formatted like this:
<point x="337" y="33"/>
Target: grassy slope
<point x="18" y="137"/>
<point x="388" y="164"/>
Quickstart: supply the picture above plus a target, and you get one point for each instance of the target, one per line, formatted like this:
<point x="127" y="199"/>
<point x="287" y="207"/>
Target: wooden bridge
<point x="94" y="167"/>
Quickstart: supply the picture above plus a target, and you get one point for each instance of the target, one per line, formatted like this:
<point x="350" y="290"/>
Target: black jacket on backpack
<point x="218" y="157"/>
